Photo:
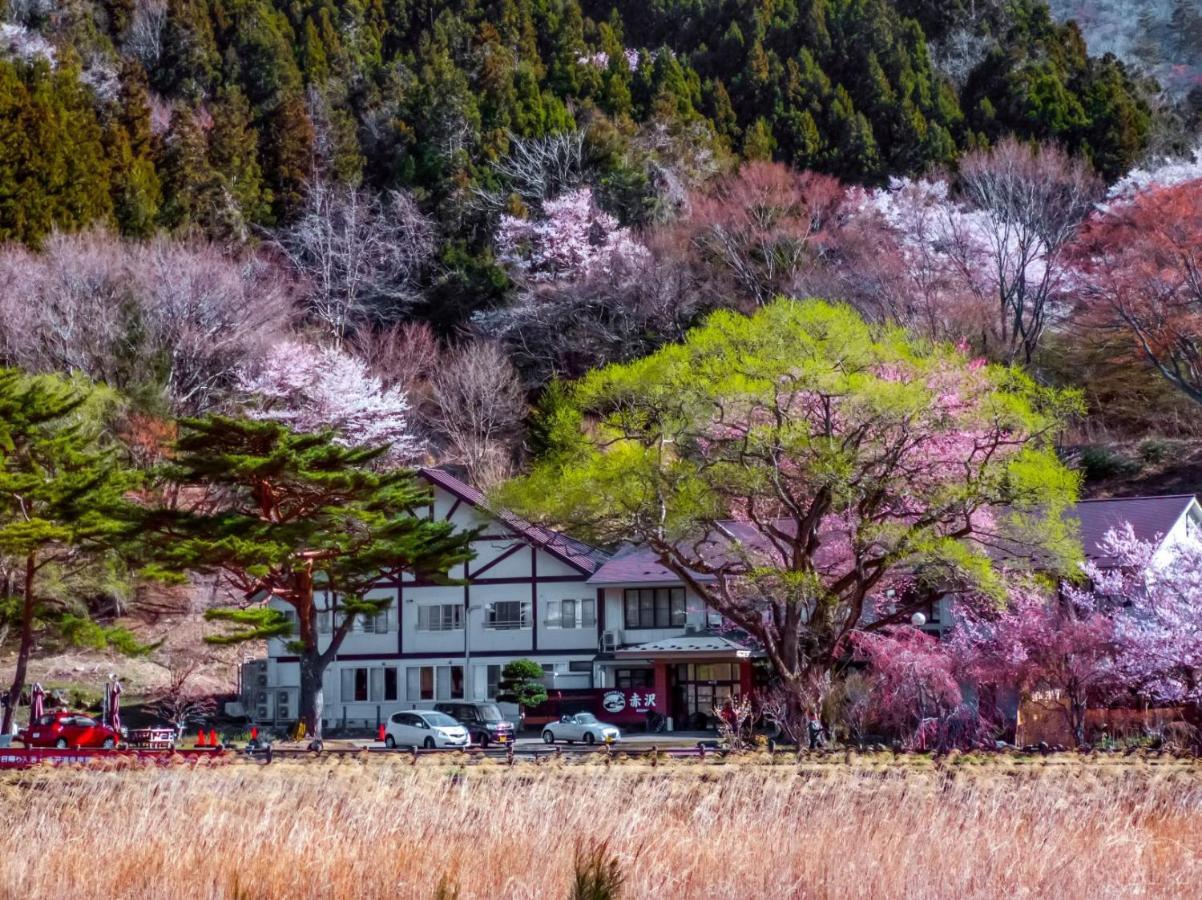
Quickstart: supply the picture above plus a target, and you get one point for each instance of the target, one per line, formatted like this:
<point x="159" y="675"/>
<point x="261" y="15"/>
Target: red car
<point x="64" y="730"/>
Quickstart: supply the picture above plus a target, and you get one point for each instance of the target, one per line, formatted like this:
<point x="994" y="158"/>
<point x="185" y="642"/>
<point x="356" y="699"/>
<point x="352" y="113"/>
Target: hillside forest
<point x="414" y="221"/>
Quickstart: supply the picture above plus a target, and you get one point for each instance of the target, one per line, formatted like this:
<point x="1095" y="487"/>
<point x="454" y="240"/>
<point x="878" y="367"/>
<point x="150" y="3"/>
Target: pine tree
<point x="61" y="497"/>
<point x="302" y="516"/>
<point x="289" y="155"/>
<point x="190" y="186"/>
<point x="137" y="192"/>
<point x="234" y="156"/>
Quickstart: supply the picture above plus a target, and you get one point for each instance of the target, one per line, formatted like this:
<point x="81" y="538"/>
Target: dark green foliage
<point x="61" y="517"/>
<point x="597" y="873"/>
<point x="521" y="683"/>
<point x="54" y="171"/>
<point x="298" y="515"/>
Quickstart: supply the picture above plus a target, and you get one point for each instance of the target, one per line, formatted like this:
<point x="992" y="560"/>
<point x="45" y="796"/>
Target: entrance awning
<point x="703" y="645"/>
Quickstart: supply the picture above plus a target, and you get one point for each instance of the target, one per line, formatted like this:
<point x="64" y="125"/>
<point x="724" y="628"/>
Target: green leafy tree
<point x="296" y="519"/>
<point x="806" y="474"/>
<point x="522" y="683"/>
<point x="61" y="492"/>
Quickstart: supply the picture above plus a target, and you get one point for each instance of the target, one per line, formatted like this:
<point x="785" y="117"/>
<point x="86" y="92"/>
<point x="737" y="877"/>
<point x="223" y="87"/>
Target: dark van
<point x="484" y="723"/>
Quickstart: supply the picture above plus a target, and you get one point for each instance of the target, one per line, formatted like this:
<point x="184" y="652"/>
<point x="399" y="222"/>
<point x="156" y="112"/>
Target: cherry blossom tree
<point x="1156" y="597"/>
<point x="177" y="317"/>
<point x="1028" y="204"/>
<point x="311" y="388"/>
<point x="912" y="679"/>
<point x="993" y="262"/>
<point x="1065" y="645"/>
<point x="891" y="255"/>
<point x="571" y="240"/>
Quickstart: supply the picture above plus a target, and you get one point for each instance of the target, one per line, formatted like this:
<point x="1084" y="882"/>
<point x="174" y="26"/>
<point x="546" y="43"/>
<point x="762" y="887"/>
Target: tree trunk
<point x="27" y="610"/>
<point x="1077" y="720"/>
<point x="312" y="695"/>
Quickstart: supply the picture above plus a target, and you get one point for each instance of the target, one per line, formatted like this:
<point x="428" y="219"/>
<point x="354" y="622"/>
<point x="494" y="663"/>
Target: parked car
<point x="424" y="728"/>
<point x="484" y="723"/>
<point x="64" y="730"/>
<point x="581" y="727"/>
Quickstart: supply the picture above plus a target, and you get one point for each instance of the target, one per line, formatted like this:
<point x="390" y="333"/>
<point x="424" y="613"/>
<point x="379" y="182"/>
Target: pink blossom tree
<point x="1064" y="645"/>
<point x="311" y="388"/>
<point x="912" y="680"/>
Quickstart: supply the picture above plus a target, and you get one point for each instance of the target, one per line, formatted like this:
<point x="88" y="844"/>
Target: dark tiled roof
<point x="633" y="565"/>
<point x="1151" y="518"/>
<point x="577" y="554"/>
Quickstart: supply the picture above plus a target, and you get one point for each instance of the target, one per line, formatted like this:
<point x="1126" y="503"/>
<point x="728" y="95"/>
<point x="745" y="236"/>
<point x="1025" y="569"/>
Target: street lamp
<point x="918" y="620"/>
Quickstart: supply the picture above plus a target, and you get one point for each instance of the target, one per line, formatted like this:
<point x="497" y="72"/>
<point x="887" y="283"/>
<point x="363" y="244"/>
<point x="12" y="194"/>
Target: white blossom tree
<point x="572" y="240"/>
<point x="310" y="388"/>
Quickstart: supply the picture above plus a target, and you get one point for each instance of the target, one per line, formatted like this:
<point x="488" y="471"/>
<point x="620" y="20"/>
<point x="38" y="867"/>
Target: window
<point x="582" y="666"/>
<point x="508" y="615"/>
<point x="443" y="617"/>
<point x="373" y="624"/>
<point x="494" y="681"/>
<point x="383" y="684"/>
<point x="571" y="614"/>
<point x="655" y="608"/>
<point x="450" y="682"/>
<point x="933" y="612"/>
<point x="290" y="618"/>
<point x="325" y="620"/>
<point x="632" y="679"/>
<point x="420" y="683"/>
<point x="354" y="685"/>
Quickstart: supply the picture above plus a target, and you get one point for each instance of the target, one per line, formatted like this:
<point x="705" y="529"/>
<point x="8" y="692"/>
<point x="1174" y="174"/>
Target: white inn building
<point x="619" y="624"/>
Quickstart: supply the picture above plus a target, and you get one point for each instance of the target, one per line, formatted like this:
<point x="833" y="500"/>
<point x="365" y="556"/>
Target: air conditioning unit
<point x="261" y="679"/>
<point x="690" y="629"/>
<point x="610" y="641"/>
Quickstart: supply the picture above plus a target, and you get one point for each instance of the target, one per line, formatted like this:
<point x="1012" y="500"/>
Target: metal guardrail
<point x="510" y="754"/>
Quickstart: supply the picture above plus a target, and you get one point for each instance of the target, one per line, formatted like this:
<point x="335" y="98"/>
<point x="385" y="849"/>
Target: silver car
<point x="582" y="727"/>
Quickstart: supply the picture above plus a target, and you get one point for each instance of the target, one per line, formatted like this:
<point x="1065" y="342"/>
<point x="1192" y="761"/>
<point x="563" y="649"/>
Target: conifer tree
<point x="296" y="519"/>
<point x="61" y="494"/>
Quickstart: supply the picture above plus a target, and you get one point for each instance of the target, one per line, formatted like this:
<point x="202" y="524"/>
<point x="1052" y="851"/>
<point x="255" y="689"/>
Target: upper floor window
<point x="655" y="608"/>
<point x="505" y="615"/>
<point x="571" y="613"/>
<point x="373" y="624"/>
<point x="442" y="617"/>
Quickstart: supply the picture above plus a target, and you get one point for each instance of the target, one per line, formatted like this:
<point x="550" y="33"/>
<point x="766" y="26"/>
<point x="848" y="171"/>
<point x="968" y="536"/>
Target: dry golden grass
<point x="379" y="827"/>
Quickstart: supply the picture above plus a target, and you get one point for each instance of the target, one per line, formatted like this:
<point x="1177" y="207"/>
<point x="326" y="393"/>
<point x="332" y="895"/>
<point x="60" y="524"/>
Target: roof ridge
<point x="1137" y="497"/>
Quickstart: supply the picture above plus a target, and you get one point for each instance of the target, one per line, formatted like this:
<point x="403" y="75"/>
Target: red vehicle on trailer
<point x="68" y="730"/>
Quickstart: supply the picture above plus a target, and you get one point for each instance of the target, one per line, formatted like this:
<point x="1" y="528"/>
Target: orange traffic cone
<point x="212" y="737"/>
<point x="200" y="737"/>
<point x="380" y="733"/>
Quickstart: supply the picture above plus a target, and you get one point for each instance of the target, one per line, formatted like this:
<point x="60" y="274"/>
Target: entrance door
<point x="698" y="689"/>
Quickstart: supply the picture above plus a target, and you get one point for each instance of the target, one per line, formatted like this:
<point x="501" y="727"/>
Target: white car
<point x="582" y="727"/>
<point x="424" y="728"/>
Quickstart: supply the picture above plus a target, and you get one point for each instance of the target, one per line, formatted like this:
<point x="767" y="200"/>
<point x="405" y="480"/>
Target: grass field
<point x="871" y="826"/>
